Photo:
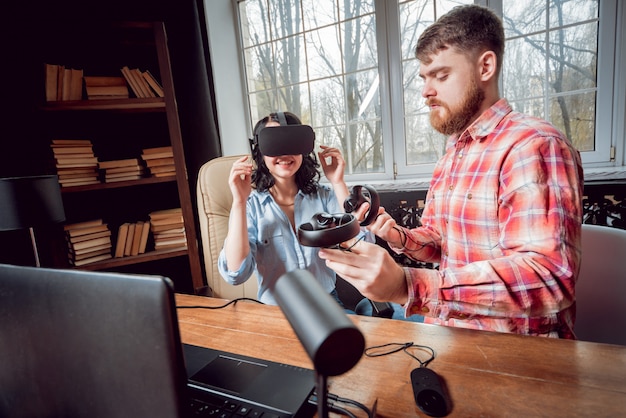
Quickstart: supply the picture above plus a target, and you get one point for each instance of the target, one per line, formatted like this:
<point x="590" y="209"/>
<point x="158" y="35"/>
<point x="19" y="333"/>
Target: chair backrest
<point x="214" y="202"/>
<point x="601" y="286"/>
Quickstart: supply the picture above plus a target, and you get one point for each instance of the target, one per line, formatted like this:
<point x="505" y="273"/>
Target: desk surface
<point x="487" y="374"/>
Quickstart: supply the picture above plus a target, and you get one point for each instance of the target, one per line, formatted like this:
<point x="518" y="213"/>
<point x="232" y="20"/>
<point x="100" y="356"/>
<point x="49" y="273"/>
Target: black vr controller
<point x="329" y="230"/>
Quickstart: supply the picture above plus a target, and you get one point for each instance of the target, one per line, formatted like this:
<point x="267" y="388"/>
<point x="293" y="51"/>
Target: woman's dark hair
<point x="307" y="176"/>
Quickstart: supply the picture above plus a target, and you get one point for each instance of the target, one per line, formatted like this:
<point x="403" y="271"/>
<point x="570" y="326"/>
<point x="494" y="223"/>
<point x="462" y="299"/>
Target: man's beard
<point x="455" y="120"/>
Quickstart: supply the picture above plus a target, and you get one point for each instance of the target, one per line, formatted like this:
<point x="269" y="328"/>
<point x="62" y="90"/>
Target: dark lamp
<point x="329" y="337"/>
<point x="30" y="202"/>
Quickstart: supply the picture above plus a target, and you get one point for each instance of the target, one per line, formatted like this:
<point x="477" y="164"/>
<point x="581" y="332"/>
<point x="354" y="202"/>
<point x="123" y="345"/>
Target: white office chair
<point x="601" y="286"/>
<point x="214" y="202"/>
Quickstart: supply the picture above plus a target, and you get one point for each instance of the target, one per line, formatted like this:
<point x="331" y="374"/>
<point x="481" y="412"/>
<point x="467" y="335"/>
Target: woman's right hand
<point x="240" y="180"/>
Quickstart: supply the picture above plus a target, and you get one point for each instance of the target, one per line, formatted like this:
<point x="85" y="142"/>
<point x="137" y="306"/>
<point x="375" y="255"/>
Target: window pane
<point x="524" y="68"/>
<point x="254" y="18"/>
<point x="566" y="12"/>
<point x="553" y="73"/>
<point x="574" y="115"/>
<point x="573" y="53"/>
<point x="318" y="13"/>
<point x="327" y="102"/>
<point x="359" y="37"/>
<point x="422" y="144"/>
<point x="323" y="52"/>
<point x="259" y="67"/>
<point x="523" y="17"/>
<point x="290" y="63"/>
<point x="355" y="8"/>
<point x="428" y="146"/>
<point x="285" y="18"/>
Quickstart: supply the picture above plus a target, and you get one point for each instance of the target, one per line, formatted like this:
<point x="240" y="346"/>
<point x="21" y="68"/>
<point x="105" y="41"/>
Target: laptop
<point x="93" y="344"/>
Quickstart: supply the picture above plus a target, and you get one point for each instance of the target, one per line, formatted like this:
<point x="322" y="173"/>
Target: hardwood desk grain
<point x="488" y="374"/>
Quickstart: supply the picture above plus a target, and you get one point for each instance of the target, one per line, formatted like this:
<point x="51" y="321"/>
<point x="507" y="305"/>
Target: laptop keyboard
<point x="216" y="407"/>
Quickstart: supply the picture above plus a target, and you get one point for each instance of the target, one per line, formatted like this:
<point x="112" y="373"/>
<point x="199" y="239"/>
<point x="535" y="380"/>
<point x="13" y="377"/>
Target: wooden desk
<point x="487" y="374"/>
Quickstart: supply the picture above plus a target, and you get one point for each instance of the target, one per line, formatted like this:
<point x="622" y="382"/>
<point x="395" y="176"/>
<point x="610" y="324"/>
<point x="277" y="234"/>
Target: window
<point x="348" y="69"/>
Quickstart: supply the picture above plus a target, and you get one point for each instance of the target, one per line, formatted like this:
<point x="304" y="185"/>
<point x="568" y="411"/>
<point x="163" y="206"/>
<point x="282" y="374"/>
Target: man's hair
<point x="470" y="29"/>
<point x="307" y="177"/>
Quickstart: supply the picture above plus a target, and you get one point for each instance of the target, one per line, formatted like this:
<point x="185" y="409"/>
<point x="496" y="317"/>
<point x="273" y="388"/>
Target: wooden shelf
<point x="118" y="184"/>
<point x="119" y="128"/>
<point x="134" y="259"/>
<point x="143" y="105"/>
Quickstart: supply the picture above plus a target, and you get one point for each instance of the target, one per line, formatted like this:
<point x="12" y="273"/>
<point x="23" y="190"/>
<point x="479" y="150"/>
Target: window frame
<point x="610" y="107"/>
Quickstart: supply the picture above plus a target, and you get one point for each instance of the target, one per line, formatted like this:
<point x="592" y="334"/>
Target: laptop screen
<point x="88" y="344"/>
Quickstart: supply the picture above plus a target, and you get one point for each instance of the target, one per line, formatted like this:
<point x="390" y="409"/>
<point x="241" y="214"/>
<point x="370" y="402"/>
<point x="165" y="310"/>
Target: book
<point x="134" y="250"/>
<point x="170" y="169"/>
<point x="91" y="243"/>
<point x="129" y="239"/>
<point x="75" y="232"/>
<point x="106" y="92"/>
<point x="83" y="224"/>
<point x="118" y="163"/>
<point x="76" y="84"/>
<point x="99" y="81"/>
<point x="67" y="84"/>
<point x="52" y="74"/>
<point x="75" y="252"/>
<point x="60" y="75"/>
<point x="156" y="162"/>
<point x="123" y="171"/>
<point x="131" y="81"/>
<point x="173" y="243"/>
<point x="122" y="233"/>
<point x="164" y="213"/>
<point x="64" y="149"/>
<point x="130" y="169"/>
<point x="173" y="219"/>
<point x="80" y="183"/>
<point x="157" y="155"/>
<point x="157" y="150"/>
<point x="91" y="254"/>
<point x="87" y="237"/>
<point x="72" y="142"/>
<point x="145" y="233"/>
<point x="124" y="178"/>
<point x="92" y="260"/>
<point x="146" y="91"/>
<point x="154" y="84"/>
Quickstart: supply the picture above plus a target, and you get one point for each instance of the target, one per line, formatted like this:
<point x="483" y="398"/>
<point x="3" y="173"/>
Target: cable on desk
<point x="333" y="399"/>
<point x="390" y="348"/>
<point x="221" y="306"/>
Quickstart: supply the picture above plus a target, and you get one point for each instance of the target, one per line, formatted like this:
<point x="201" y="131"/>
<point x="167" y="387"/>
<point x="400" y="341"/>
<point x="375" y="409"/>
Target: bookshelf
<point x="121" y="128"/>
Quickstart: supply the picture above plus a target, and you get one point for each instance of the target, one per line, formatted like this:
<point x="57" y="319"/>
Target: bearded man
<point x="503" y="212"/>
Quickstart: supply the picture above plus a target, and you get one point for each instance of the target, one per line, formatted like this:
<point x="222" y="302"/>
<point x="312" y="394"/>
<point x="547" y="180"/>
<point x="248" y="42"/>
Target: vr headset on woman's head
<point x="285" y="139"/>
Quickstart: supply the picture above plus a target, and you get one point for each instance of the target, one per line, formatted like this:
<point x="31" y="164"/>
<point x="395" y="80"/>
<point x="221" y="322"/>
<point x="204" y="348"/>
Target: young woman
<point x="270" y="200"/>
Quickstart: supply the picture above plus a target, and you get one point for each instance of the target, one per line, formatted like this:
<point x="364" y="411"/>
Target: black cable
<point x="404" y="237"/>
<point x="332" y="399"/>
<point x="391" y="348"/>
<point x="221" y="306"/>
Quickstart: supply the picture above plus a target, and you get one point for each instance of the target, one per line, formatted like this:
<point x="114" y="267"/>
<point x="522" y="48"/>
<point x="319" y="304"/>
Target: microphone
<point x="329" y="337"/>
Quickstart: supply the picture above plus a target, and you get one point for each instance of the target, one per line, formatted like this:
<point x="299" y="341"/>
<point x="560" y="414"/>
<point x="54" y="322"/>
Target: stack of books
<point x="121" y="170"/>
<point x="105" y="88"/>
<point x="160" y="161"/>
<point x="63" y="83"/>
<point x="88" y="242"/>
<point x="75" y="162"/>
<point x="132" y="238"/>
<point x="168" y="229"/>
<point x="142" y="83"/>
